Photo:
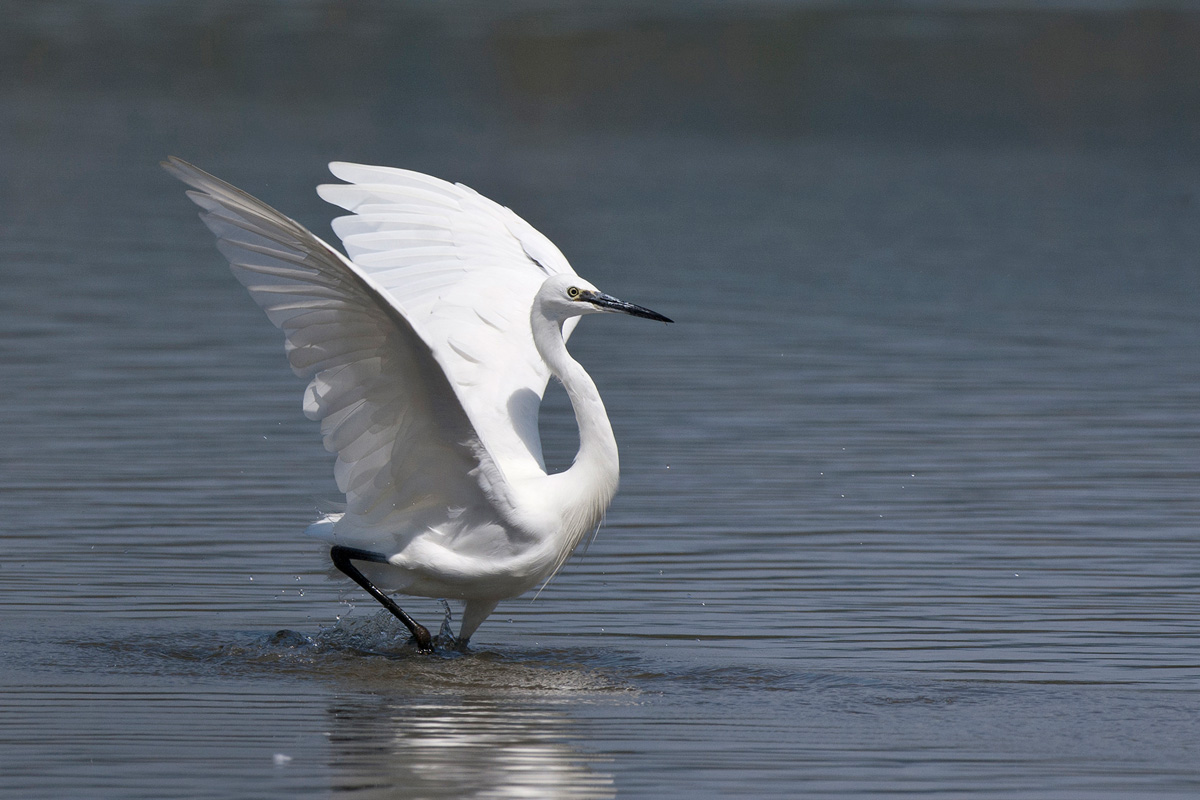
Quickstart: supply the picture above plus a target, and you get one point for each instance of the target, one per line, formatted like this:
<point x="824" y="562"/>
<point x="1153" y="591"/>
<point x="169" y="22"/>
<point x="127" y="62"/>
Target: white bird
<point x="427" y="353"/>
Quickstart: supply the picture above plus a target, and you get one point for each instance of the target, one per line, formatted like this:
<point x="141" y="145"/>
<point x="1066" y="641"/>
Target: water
<point x="909" y="499"/>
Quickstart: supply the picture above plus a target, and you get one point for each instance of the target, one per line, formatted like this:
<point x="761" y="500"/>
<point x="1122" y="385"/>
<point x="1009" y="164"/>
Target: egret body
<point x="427" y="352"/>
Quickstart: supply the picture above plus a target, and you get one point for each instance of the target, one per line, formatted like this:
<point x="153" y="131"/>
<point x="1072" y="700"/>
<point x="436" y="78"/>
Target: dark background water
<point x="909" y="499"/>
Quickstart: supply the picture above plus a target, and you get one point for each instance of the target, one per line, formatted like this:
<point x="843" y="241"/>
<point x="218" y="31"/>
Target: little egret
<point x="427" y="353"/>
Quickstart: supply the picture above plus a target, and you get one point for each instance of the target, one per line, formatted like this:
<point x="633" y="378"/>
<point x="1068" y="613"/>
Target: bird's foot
<point x="421" y="639"/>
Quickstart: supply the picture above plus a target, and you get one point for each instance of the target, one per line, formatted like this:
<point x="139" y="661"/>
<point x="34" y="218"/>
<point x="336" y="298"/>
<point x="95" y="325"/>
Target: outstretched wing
<point x="406" y="450"/>
<point x="465" y="271"/>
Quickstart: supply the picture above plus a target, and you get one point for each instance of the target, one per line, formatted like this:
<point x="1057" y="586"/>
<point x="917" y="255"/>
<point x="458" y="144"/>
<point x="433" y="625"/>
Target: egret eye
<point x="573" y="293"/>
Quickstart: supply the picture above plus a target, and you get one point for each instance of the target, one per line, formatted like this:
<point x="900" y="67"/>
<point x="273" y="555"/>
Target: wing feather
<point x="407" y="451"/>
<point x="465" y="271"/>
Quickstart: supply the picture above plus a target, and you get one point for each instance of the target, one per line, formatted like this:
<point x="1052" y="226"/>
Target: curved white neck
<point x="589" y="485"/>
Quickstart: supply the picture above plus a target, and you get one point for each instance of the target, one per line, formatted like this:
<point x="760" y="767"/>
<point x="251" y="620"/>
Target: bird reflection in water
<point x="460" y="748"/>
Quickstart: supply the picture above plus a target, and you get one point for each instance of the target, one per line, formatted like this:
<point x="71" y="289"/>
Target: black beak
<point x="610" y="303"/>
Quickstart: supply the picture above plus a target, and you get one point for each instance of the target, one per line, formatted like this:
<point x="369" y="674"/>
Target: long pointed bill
<point x="610" y="303"/>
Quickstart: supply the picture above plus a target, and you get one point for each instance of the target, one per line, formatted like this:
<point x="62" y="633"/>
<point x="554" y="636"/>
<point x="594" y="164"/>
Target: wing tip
<point x="204" y="182"/>
<point x="178" y="168"/>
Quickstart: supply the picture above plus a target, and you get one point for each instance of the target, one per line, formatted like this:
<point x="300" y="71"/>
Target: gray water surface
<point x="909" y="499"/>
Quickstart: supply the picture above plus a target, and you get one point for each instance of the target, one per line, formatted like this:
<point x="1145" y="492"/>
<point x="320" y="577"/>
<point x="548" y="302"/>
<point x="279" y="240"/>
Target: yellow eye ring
<point x="573" y="293"/>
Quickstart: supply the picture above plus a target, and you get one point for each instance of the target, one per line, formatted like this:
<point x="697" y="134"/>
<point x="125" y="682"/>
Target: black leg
<point x="341" y="559"/>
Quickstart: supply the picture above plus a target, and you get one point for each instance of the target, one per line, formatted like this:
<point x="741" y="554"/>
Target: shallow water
<point x="909" y="498"/>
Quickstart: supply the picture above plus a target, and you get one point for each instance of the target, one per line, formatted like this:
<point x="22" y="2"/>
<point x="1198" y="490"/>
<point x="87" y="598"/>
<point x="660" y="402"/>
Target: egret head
<point x="566" y="296"/>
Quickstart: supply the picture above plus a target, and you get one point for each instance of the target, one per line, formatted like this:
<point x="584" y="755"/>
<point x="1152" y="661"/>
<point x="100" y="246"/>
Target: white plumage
<point x="427" y="354"/>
